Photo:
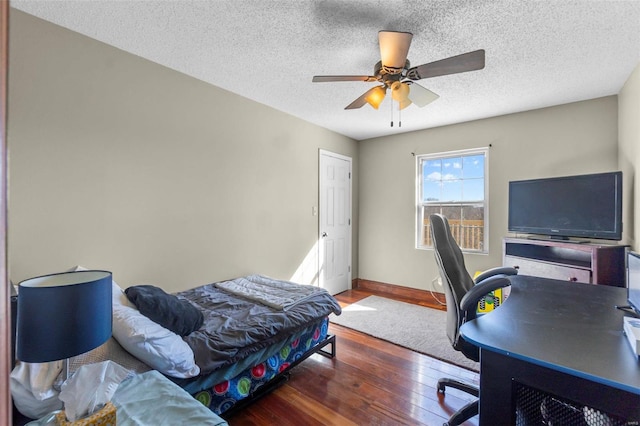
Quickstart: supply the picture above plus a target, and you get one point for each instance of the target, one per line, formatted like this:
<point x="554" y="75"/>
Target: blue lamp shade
<point x="63" y="315"/>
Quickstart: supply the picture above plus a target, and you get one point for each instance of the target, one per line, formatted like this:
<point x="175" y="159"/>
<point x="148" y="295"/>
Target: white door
<point x="335" y="222"/>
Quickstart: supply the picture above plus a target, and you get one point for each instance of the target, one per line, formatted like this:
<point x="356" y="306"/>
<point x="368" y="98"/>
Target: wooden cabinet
<point x="564" y="260"/>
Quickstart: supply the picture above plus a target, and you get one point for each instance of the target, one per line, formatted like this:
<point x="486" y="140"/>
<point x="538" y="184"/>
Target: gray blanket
<point x="278" y="294"/>
<point x="235" y="326"/>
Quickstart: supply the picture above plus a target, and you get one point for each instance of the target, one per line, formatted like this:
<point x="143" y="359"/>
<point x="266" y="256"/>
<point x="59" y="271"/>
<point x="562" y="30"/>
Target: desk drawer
<point x="548" y="270"/>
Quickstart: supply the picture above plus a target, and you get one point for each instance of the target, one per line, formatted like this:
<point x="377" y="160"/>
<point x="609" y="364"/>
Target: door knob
<point x="324" y="234"/>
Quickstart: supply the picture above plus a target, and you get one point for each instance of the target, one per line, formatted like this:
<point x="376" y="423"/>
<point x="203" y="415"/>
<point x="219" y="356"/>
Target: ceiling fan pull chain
<point x="391" y="112"/>
<point x="399" y="115"/>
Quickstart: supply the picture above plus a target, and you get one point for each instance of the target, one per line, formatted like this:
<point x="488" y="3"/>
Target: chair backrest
<point x="455" y="279"/>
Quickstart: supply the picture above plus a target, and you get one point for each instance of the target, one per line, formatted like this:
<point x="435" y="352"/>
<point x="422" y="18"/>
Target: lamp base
<point x="63" y="376"/>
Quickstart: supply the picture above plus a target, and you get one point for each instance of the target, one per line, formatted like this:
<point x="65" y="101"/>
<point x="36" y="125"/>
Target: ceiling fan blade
<point x="330" y="78"/>
<point x="419" y="95"/>
<point x="394" y="47"/>
<point x="470" y="61"/>
<point x="362" y="100"/>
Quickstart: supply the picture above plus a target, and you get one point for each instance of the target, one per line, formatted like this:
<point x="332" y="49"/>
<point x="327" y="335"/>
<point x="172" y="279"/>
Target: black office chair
<point x="462" y="295"/>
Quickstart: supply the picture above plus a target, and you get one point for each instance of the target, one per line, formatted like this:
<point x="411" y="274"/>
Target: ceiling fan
<point x="394" y="73"/>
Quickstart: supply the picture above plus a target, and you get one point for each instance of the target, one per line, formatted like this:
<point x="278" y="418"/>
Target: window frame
<point x="419" y="204"/>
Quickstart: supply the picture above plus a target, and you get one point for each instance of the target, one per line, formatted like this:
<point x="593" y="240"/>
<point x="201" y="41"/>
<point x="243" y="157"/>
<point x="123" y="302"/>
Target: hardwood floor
<point x="369" y="382"/>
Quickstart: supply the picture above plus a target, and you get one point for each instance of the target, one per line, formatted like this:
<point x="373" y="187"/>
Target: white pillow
<point x="153" y="344"/>
<point x="148" y="341"/>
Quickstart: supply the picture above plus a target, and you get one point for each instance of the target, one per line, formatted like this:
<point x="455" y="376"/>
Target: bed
<point x="252" y="331"/>
<point x="255" y="330"/>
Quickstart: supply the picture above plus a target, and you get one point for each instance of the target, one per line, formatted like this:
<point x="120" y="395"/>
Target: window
<point x="455" y="185"/>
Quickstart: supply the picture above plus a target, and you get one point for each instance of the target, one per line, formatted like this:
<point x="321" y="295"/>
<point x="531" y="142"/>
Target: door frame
<point x="5" y="325"/>
<point x="349" y="250"/>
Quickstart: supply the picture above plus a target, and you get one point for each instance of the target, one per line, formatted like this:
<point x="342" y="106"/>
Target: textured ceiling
<point x="538" y="53"/>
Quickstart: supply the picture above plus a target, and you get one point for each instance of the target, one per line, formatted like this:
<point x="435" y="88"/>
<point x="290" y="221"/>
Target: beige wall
<point x="629" y="155"/>
<point x="121" y="164"/>
<point x="568" y="139"/>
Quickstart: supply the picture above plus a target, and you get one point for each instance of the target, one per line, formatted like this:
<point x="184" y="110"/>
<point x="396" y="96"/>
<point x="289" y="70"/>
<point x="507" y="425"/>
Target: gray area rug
<point x="411" y="326"/>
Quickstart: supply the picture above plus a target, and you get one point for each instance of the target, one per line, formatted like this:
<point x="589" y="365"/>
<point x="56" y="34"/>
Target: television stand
<point x="577" y="261"/>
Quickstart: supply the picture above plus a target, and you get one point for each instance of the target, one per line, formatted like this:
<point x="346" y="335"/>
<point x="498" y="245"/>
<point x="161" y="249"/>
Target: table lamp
<point x="63" y="315"/>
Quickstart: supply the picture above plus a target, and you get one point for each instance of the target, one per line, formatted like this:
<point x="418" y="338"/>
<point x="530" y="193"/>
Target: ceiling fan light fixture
<point x="376" y="96"/>
<point x="403" y="104"/>
<point x="400" y="92"/>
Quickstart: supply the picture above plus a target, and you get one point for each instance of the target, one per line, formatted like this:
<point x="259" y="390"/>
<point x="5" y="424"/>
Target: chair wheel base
<point x="456" y="384"/>
<point x="466" y="412"/>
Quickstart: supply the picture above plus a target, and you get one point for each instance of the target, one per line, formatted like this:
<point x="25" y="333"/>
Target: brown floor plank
<point x="370" y="381"/>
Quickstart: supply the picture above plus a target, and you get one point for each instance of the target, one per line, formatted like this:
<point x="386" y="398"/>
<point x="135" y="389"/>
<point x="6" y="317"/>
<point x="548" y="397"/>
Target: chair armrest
<point x="469" y="302"/>
<point x="500" y="270"/>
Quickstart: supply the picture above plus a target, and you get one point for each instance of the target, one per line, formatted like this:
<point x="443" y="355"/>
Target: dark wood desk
<point x="555" y="344"/>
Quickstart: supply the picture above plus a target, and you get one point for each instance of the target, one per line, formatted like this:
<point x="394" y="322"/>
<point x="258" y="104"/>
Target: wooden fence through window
<point x="469" y="234"/>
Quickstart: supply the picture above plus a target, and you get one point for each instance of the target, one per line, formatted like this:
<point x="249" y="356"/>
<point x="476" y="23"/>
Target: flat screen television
<point x="633" y="280"/>
<point x="584" y="206"/>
